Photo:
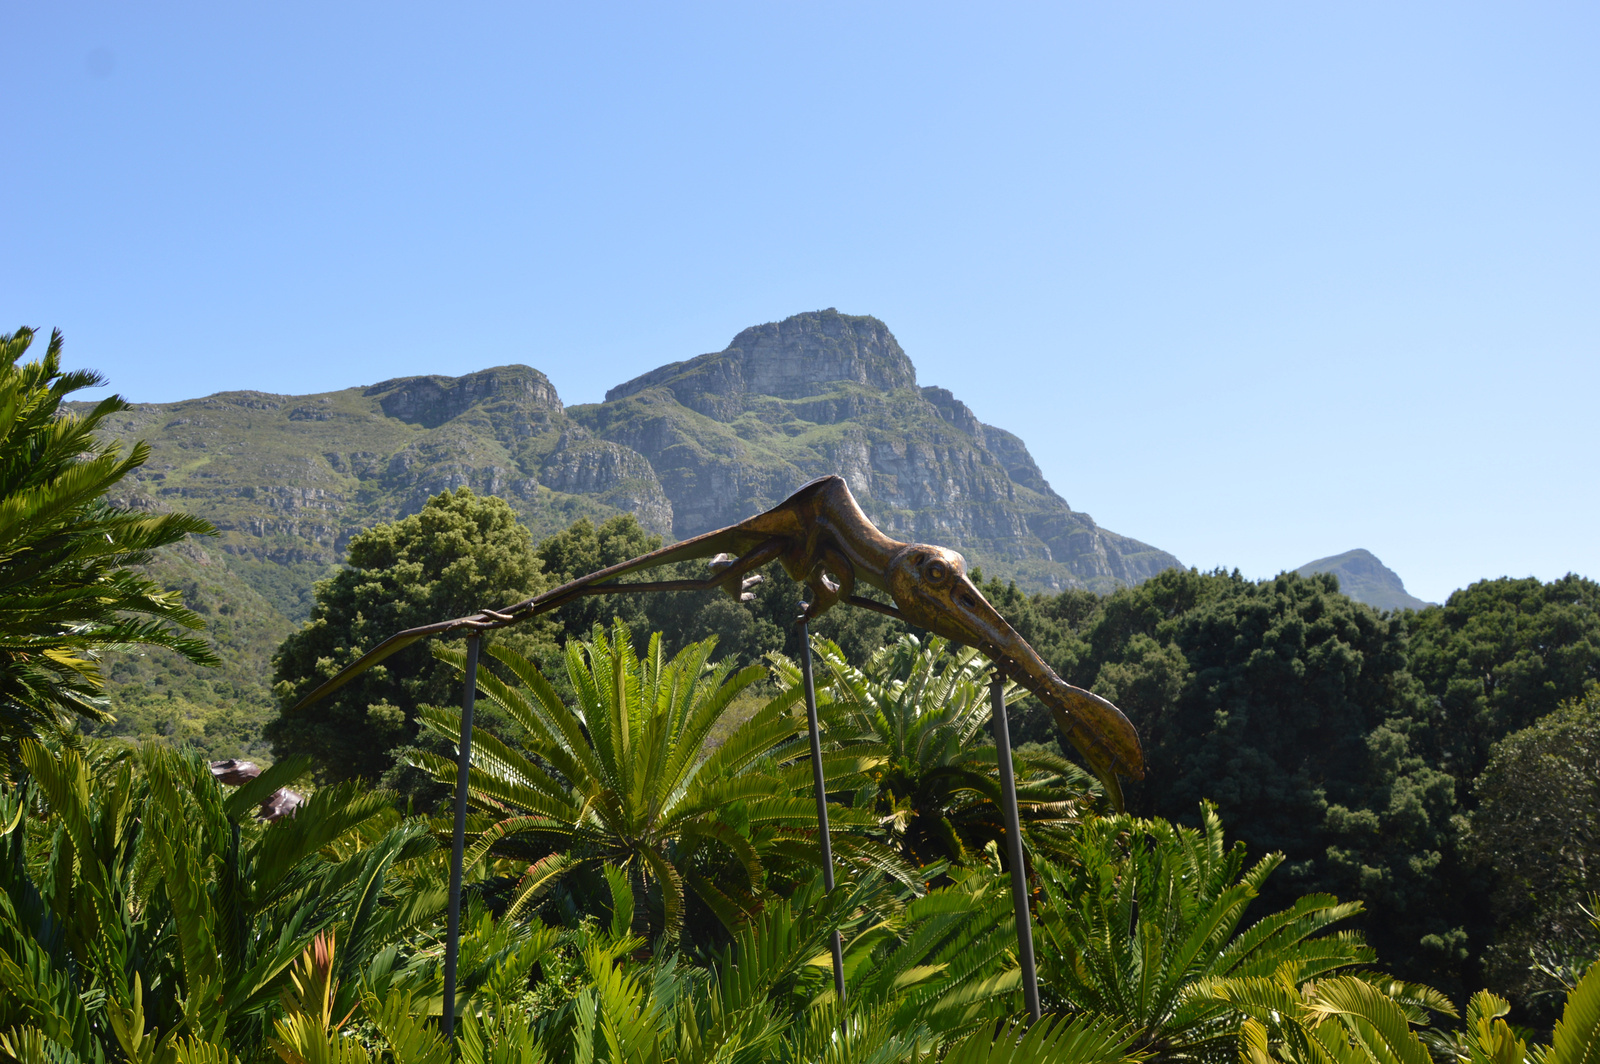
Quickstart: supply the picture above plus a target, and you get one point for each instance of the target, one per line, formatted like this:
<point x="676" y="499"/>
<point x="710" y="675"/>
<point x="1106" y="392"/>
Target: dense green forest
<point x="1350" y="821"/>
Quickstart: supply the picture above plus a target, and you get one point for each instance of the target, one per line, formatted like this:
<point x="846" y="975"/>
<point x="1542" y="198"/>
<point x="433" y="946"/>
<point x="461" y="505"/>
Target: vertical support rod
<point x="452" y="943"/>
<point x="1019" y="876"/>
<point x="819" y="786"/>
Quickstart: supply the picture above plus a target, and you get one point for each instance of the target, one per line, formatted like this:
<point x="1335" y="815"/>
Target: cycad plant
<point x="767" y="995"/>
<point x="140" y="905"/>
<point x="67" y="591"/>
<point x="1367" y="1019"/>
<point x="1139" y="915"/>
<point x="917" y="714"/>
<point x="625" y="778"/>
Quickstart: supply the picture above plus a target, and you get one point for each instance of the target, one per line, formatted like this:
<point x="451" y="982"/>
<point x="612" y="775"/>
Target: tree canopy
<point x="459" y="553"/>
<point x="1537" y="827"/>
<point x="1500" y="654"/>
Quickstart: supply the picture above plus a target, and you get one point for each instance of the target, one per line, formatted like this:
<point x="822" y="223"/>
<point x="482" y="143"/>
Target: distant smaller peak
<point x="1365" y="578"/>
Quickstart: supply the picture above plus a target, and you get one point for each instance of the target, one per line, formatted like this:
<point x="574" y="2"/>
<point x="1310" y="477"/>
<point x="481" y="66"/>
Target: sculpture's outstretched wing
<point x="751" y="548"/>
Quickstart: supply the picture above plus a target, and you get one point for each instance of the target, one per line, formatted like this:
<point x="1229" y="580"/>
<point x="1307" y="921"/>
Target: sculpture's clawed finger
<point x="737" y="587"/>
<point x="831" y="580"/>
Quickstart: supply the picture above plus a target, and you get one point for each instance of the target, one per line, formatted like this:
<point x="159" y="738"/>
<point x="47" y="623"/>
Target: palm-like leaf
<point x="1359" y="1018"/>
<point x="1140" y="916"/>
<point x="1577" y="1034"/>
<point x="150" y="895"/>
<point x="623" y="779"/>
<point x="914" y="719"/>
<point x="1058" y="1041"/>
<point x="66" y="590"/>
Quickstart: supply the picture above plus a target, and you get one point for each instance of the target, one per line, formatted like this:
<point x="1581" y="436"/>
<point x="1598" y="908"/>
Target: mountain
<point x="693" y="445"/>
<point x="1364" y="578"/>
<point x="690" y="446"/>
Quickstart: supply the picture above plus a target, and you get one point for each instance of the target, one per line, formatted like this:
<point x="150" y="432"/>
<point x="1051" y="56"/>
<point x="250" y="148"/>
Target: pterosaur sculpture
<point x="823" y="539"/>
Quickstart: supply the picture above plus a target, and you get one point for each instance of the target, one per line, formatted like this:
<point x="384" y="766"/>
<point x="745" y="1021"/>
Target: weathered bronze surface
<point x="234" y="772"/>
<point x="823" y="540"/>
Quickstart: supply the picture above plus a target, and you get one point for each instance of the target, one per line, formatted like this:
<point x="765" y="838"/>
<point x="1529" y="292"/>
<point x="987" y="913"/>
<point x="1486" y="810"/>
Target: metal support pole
<point x="452" y="943"/>
<point x="819" y="786"/>
<point x="1019" y="877"/>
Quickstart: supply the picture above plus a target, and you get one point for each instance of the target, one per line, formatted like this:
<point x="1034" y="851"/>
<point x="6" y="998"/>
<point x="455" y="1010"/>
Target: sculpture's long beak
<point x="1099" y="731"/>
<point x="950" y="605"/>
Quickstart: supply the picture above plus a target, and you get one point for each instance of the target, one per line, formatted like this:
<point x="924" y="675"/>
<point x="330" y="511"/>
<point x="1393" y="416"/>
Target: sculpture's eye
<point x="936" y="572"/>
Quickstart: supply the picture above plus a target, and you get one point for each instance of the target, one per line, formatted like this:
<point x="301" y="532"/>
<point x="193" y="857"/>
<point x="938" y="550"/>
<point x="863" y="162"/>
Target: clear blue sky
<point x="1257" y="283"/>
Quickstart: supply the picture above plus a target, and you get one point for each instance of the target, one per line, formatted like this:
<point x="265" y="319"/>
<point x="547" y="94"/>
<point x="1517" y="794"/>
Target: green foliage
<point x="916" y="715"/>
<point x="68" y="587"/>
<point x="1346" y="739"/>
<point x="157" y="694"/>
<point x="142" y="905"/>
<point x="1290" y="706"/>
<point x="622" y="779"/>
<point x="146" y="917"/>
<point x="1577" y="1035"/>
<point x="581" y="549"/>
<point x="1344" y="1019"/>
<point x="461" y="553"/>
<point x="1538" y="827"/>
<point x="1138" y="913"/>
<point x="1499" y="655"/>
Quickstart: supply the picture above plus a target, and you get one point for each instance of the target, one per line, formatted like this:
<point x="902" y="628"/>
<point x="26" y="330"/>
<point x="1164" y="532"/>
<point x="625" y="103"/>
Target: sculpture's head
<point x="931" y="588"/>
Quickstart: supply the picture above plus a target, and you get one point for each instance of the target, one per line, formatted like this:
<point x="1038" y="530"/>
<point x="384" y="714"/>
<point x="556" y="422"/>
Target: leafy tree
<point x="460" y="553"/>
<point x="1290" y="706"/>
<point x="582" y="549"/>
<point x="1499" y="655"/>
<point x="622" y="779"/>
<point x="1139" y="916"/>
<point x="744" y="632"/>
<point x="68" y="589"/>
<point x="1538" y="827"/>
<point x="917" y="714"/>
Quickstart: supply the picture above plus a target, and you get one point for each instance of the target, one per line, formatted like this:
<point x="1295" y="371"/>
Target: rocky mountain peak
<point x="431" y="401"/>
<point x="801" y="356"/>
<point x="790" y="359"/>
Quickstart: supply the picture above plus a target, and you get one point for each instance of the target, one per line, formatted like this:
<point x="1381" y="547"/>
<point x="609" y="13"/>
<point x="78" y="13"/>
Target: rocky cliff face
<point x="688" y="447"/>
<point x="791" y="359"/>
<point x="733" y="432"/>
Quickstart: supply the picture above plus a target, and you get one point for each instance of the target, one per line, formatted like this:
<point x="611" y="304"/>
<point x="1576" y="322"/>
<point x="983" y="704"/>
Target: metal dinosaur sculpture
<point x="823" y="540"/>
